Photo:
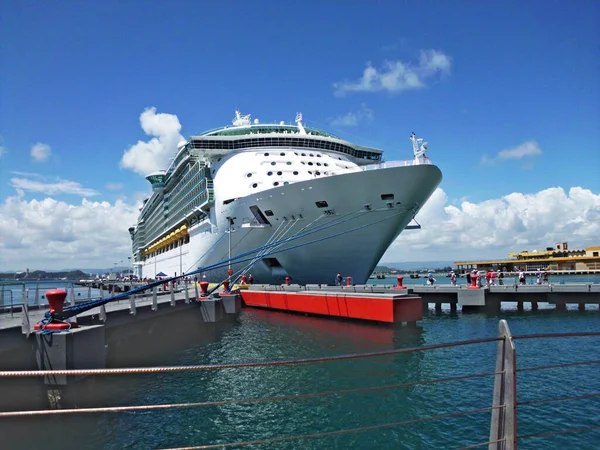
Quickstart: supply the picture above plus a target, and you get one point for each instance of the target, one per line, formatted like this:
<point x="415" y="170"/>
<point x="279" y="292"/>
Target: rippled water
<point x="259" y="335"/>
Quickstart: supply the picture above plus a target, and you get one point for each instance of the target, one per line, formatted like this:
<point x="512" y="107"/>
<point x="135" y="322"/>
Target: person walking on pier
<point x="338" y="279"/>
<point x="522" y="277"/>
<point x="452" y="278"/>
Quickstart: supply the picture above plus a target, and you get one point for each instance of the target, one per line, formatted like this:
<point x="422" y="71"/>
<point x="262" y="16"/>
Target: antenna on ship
<point x="240" y="120"/>
<point x="418" y="152"/>
<point x="301" y="129"/>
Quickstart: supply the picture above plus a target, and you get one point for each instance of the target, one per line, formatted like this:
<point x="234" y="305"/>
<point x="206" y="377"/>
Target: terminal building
<point x="561" y="259"/>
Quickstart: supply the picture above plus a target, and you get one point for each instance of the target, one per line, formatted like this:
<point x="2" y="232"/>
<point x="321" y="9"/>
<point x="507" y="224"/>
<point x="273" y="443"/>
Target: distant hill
<point x="44" y="275"/>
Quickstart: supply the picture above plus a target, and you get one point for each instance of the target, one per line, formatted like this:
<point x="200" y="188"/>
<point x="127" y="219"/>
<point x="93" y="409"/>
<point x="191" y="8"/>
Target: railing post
<point x="503" y="426"/>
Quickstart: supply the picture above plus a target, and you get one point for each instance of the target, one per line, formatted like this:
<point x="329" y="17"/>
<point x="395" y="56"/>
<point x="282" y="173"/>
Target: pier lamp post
<point x="230" y="220"/>
<point x="130" y="268"/>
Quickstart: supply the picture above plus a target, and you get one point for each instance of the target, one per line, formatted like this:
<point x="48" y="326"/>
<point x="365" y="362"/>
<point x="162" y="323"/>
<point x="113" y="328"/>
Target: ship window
<point x="276" y="183"/>
<point x="318" y="155"/>
<point x="268" y="212"/>
<point x="310" y="163"/>
<point x="269" y="173"/>
<point x="279" y="173"/>
<point x="318" y="164"/>
<point x="303" y="154"/>
<point x="228" y="201"/>
<point x="303" y="162"/>
<point x="254" y="185"/>
<point x="249" y="175"/>
<point x="286" y="183"/>
<point x="266" y="154"/>
<point x="282" y="154"/>
<point x="310" y="172"/>
<point x="295" y="172"/>
<point x="317" y="173"/>
<point x="273" y="163"/>
<point x="321" y="204"/>
<point x="289" y="163"/>
<point x="296" y="153"/>
<point x="325" y="164"/>
<point x="311" y="155"/>
<point x="387" y="196"/>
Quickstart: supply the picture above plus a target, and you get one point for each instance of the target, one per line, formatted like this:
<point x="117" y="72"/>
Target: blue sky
<point x="506" y="94"/>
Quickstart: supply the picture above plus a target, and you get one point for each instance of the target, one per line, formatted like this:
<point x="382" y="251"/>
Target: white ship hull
<point x="353" y="244"/>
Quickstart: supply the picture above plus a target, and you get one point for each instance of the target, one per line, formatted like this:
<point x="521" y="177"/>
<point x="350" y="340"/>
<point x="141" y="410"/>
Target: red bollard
<point x="226" y="286"/>
<point x="348" y="281"/>
<point x="244" y="278"/>
<point x="56" y="300"/>
<point x="473" y="283"/>
<point x="229" y="272"/>
<point x="400" y="286"/>
<point x="287" y="281"/>
<point x="204" y="289"/>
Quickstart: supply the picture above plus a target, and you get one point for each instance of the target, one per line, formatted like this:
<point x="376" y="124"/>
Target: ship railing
<point x="503" y="409"/>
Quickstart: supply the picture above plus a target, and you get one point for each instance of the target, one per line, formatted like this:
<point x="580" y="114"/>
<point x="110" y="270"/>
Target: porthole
<point x="318" y="164"/>
<point x="279" y="173"/>
<point x="310" y="163"/>
<point x="276" y="183"/>
<point x="317" y="173"/>
<point x="296" y="153"/>
<point x="339" y="158"/>
<point x="286" y="183"/>
<point x="254" y="185"/>
<point x="269" y="173"/>
<point x="303" y="162"/>
<point x="282" y="154"/>
<point x="295" y="172"/>
<point x="310" y="172"/>
<point x="325" y="164"/>
<point x="273" y="163"/>
<point x="289" y="163"/>
<point x="249" y="175"/>
<point x="311" y="155"/>
<point x="303" y="154"/>
<point x="266" y="154"/>
<point x="318" y="155"/>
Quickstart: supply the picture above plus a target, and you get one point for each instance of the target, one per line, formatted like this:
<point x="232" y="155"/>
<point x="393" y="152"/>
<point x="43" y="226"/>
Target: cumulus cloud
<point x="50" y="188"/>
<point x="46" y="234"/>
<point x="114" y="186"/>
<point x="40" y="152"/>
<point x="495" y="227"/>
<point x="398" y="76"/>
<point x="352" y="119"/>
<point x="146" y="157"/>
<point x="525" y="150"/>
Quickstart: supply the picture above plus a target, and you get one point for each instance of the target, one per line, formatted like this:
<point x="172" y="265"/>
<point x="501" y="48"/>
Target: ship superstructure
<point x="233" y="189"/>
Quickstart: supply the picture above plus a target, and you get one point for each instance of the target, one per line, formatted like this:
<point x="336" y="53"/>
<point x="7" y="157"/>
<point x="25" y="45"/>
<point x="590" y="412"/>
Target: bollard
<point x="473" y="282"/>
<point x="287" y="281"/>
<point x="348" y="281"/>
<point x="400" y="286"/>
<point x="244" y="278"/>
<point x="226" y="284"/>
<point x="229" y="272"/>
<point x="56" y="300"/>
<point x="203" y="289"/>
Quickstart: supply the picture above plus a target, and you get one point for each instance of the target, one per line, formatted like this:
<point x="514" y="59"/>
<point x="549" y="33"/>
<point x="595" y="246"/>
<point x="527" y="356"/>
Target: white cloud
<point x="3" y="151"/>
<point x="49" y="234"/>
<point x="352" y="119"/>
<point x="494" y="228"/>
<point x="40" y="152"/>
<point x="526" y="149"/>
<point x="398" y="76"/>
<point x="114" y="186"/>
<point x="147" y="157"/>
<point x="52" y="188"/>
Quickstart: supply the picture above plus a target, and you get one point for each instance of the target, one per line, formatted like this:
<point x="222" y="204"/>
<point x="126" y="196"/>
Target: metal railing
<point x="503" y="426"/>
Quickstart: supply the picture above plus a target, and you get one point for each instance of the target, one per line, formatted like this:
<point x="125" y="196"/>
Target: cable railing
<point x="505" y="405"/>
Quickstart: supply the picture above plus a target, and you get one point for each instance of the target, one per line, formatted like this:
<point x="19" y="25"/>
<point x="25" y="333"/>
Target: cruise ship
<point x="301" y="202"/>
